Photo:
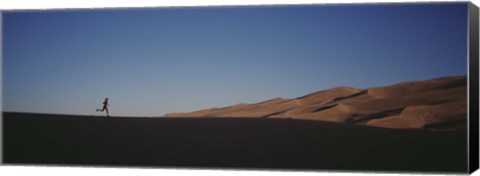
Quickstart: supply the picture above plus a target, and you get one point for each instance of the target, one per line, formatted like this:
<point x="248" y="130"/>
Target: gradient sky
<point x="153" y="61"/>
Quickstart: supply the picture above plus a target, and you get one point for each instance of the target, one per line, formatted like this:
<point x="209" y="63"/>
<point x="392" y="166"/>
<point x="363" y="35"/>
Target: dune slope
<point x="260" y="143"/>
<point x="435" y="104"/>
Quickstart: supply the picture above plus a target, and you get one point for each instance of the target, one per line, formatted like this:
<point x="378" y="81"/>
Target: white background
<point x="74" y="171"/>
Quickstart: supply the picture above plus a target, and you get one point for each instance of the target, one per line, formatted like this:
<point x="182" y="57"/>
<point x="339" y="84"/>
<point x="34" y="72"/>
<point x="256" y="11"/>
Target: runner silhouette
<point x="105" y="107"/>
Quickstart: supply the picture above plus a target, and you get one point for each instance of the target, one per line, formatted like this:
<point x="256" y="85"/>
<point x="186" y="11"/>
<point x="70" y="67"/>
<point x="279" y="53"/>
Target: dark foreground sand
<point x="259" y="143"/>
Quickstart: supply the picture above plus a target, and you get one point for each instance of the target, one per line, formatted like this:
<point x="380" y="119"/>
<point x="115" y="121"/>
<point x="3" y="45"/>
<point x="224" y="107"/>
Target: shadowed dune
<point x="412" y="126"/>
<point x="261" y="143"/>
<point x="416" y="104"/>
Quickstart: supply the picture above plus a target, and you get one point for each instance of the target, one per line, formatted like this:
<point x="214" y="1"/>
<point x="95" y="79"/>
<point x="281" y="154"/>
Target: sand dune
<point x="247" y="143"/>
<point x="423" y="115"/>
<point x="436" y="103"/>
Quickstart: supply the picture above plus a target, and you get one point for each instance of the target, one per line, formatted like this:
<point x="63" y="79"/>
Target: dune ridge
<point x="434" y="104"/>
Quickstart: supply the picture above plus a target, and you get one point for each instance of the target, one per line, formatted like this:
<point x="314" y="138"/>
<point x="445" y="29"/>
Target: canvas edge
<point x="473" y="123"/>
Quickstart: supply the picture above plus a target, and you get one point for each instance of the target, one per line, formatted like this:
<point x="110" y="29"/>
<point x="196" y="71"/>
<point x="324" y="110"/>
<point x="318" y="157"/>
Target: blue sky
<point x="153" y="61"/>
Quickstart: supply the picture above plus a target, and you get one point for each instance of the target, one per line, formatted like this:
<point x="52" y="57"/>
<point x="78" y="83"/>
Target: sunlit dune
<point x="436" y="103"/>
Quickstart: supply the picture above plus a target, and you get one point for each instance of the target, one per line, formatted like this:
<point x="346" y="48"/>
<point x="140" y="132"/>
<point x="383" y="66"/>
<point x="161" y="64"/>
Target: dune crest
<point x="435" y="104"/>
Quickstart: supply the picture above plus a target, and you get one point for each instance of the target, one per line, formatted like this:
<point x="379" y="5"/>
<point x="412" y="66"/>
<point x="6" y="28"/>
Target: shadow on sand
<point x="259" y="143"/>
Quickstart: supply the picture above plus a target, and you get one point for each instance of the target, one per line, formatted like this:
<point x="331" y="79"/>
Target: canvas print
<point x="355" y="87"/>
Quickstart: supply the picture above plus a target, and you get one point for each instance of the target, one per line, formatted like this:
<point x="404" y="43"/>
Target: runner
<point x="105" y="107"/>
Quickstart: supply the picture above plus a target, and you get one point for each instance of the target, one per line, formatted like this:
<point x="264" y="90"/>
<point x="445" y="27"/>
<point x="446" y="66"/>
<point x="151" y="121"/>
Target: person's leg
<point x="106" y="109"/>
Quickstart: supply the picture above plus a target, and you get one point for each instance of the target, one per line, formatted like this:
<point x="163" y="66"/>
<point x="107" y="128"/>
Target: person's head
<point x="106" y="98"/>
